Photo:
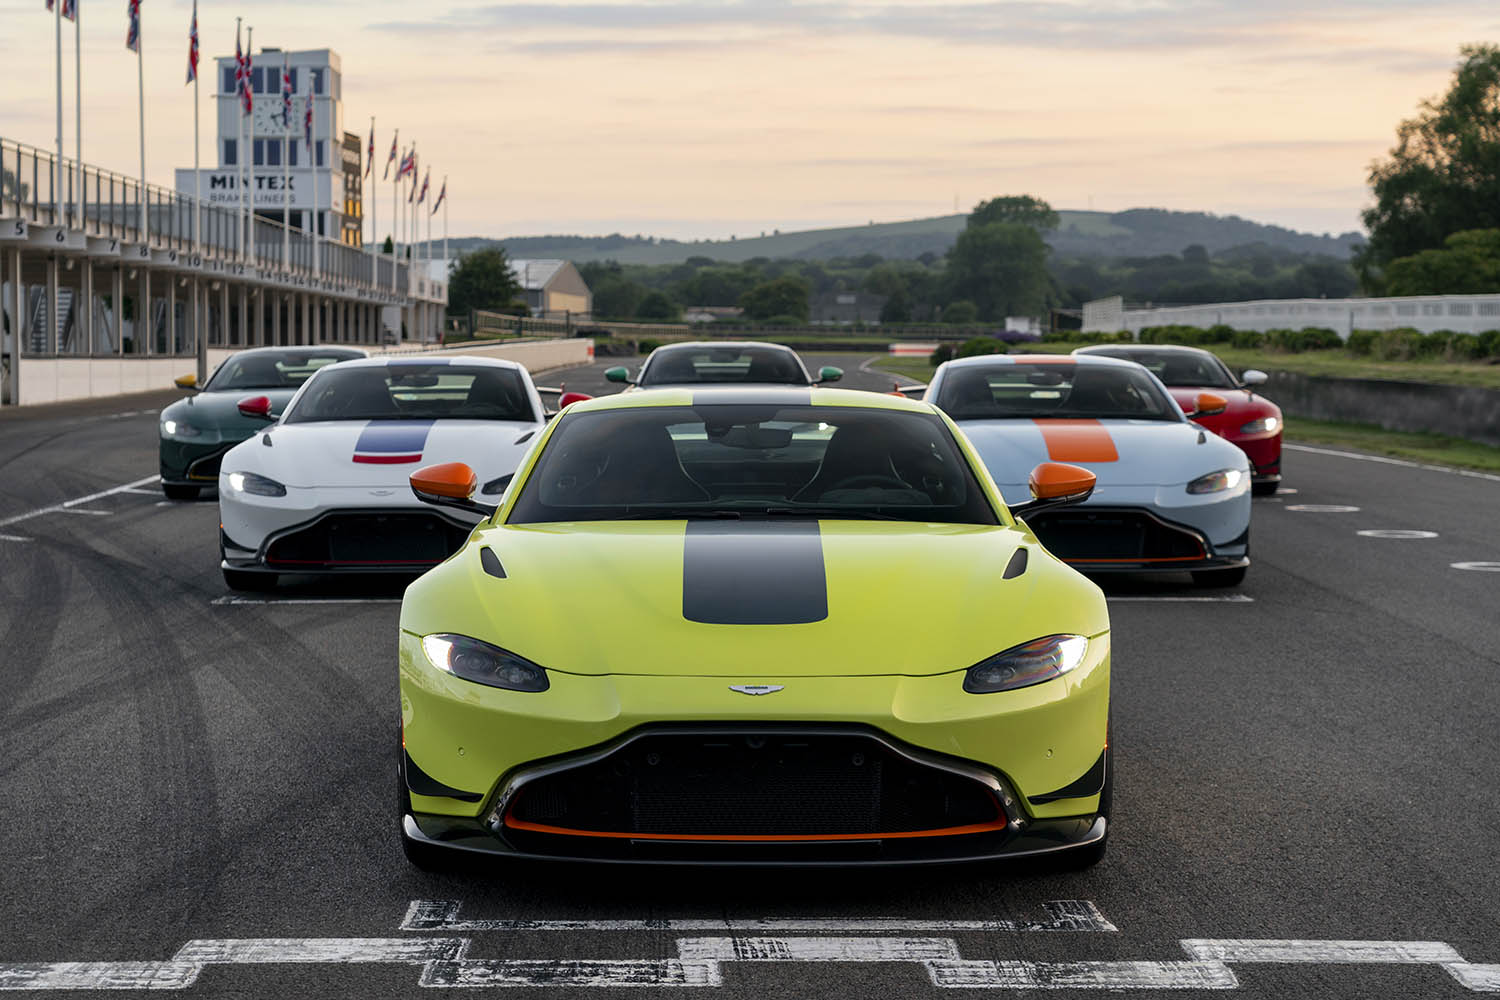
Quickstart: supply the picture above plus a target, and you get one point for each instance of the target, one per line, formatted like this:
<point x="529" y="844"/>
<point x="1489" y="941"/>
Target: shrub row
<point x="1384" y="345"/>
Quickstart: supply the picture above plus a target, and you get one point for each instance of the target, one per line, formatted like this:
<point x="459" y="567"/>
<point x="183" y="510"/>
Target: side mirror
<point x="451" y="484"/>
<point x="1254" y="377"/>
<point x="1208" y="404"/>
<point x="567" y="399"/>
<point x="187" y="383"/>
<point x="1054" y="484"/>
<point x="618" y="374"/>
<point x="828" y="373"/>
<point x="257" y="407"/>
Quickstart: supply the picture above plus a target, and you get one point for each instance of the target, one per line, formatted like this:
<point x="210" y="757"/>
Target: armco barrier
<point x="55" y="380"/>
<point x="1460" y="411"/>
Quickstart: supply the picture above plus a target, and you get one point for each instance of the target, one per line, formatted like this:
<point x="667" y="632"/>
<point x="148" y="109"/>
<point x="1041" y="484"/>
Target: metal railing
<point x="102" y="203"/>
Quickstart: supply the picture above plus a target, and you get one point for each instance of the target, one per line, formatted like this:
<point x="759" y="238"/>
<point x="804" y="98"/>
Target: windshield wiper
<point x="832" y="513"/>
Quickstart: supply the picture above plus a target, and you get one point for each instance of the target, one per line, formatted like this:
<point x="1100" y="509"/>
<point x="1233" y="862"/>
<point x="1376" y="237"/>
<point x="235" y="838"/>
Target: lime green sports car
<point x="751" y="626"/>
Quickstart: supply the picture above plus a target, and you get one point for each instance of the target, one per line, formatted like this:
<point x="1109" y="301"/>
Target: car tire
<point x="418" y="855"/>
<point x="249" y="580"/>
<point x="1080" y="858"/>
<point x="176" y="491"/>
<point x="1265" y="489"/>
<point x="1219" y="577"/>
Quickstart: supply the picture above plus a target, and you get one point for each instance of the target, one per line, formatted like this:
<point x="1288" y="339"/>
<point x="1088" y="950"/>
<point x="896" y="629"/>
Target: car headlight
<point x="482" y="663"/>
<point x="1216" y="482"/>
<point x="1265" y="425"/>
<point x="176" y="428"/>
<point x="249" y="482"/>
<point x="1027" y="664"/>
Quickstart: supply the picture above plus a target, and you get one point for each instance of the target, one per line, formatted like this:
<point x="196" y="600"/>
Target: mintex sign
<point x="270" y="190"/>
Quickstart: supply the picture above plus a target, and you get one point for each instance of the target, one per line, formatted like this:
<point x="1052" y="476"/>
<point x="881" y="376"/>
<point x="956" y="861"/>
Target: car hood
<point x="220" y="410"/>
<point x="1118" y="452"/>
<point x="367" y="453"/>
<point x="1244" y="406"/>
<point x="753" y="600"/>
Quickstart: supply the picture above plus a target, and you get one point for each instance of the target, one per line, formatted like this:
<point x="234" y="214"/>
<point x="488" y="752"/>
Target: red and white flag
<point x="69" y="9"/>
<point x="442" y="193"/>
<point x="286" y="96"/>
<point x="240" y="71"/>
<point x="133" y="33"/>
<point x="192" y="73"/>
<point x="392" y="158"/>
<point x="408" y="165"/>
<point x="248" y="92"/>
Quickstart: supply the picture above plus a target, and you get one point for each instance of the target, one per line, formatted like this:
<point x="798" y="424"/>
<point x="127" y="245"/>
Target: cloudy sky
<point x="702" y="118"/>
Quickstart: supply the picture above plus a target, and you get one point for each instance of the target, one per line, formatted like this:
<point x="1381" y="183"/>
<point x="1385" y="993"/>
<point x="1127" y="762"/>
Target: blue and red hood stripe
<point x="392" y="442"/>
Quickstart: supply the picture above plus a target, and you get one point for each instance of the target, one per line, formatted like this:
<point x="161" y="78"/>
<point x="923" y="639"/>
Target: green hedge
<point x="1402" y="344"/>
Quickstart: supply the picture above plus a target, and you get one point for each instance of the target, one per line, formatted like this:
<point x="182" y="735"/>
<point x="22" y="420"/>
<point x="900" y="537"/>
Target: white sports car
<point x="1169" y="495"/>
<point x="324" y="489"/>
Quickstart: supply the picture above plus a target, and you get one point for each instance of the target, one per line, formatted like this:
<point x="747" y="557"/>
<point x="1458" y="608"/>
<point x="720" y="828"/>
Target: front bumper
<point x="1264" y="452"/>
<point x="348" y="540"/>
<point x="1108" y="539"/>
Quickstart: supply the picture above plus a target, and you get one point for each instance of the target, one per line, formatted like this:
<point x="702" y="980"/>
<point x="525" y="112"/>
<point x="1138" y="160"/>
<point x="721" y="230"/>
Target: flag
<point x="249" y="90"/>
<point x="286" y="96"/>
<point x="408" y="165"/>
<point x="133" y="35"/>
<point x="193" y="46"/>
<point x="307" y="130"/>
<point x="370" y="155"/>
<point x="442" y="193"/>
<point x="69" y="9"/>
<point x="392" y="158"/>
<point x="412" y="195"/>
<point x="239" y="66"/>
<point x="425" y="180"/>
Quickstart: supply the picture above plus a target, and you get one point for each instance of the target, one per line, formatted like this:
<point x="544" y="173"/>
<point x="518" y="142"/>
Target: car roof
<point x="1099" y="349"/>
<point x="991" y="360"/>
<point x="756" y="395"/>
<point x="359" y="352"/>
<point x="738" y="345"/>
<point x="427" y="360"/>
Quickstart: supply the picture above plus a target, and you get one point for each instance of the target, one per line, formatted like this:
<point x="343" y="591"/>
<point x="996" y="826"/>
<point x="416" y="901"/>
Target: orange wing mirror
<point x="1208" y="404"/>
<point x="1054" y="484"/>
<point x="451" y="484"/>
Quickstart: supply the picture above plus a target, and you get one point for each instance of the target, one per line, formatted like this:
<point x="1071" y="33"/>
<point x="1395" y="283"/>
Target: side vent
<point x="1016" y="566"/>
<point x="491" y="563"/>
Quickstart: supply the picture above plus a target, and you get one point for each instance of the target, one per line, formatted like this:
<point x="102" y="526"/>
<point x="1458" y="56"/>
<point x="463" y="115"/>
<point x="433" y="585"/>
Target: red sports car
<point x="1252" y="421"/>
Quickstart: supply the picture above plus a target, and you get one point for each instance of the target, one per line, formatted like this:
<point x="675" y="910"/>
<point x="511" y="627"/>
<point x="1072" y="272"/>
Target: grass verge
<point x="1437" y="449"/>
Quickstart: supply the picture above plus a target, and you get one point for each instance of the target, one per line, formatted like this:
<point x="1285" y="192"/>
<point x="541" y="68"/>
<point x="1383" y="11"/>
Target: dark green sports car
<point x="197" y="431"/>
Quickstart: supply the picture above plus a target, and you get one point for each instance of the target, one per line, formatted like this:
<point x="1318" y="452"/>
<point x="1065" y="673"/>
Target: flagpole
<point x="445" y="227"/>
<point x="239" y="165"/>
<point x="374" y="212"/>
<point x="250" y="146"/>
<point x="140" y="81"/>
<point x="57" y="173"/>
<point x="197" y="171"/>
<point x="286" y="172"/>
<point x="312" y="161"/>
<point x="395" y="186"/>
<point x="78" y="103"/>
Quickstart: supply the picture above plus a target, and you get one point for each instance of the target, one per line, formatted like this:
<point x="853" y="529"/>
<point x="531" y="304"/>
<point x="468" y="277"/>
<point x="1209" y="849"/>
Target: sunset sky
<point x="705" y="119"/>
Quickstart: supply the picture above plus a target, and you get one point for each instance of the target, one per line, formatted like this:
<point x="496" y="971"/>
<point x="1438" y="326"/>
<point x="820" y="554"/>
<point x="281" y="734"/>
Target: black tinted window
<point x="1053" y="390"/>
<point x="725" y="460"/>
<point x="689" y="365"/>
<point x="274" y="369"/>
<point x="408" y="391"/>
<point x="1180" y="368"/>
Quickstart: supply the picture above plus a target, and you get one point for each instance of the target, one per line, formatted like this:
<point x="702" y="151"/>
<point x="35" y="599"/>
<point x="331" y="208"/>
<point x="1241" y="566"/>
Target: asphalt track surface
<point x="200" y="791"/>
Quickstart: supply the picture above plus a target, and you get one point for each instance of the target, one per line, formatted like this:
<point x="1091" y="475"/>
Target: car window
<point x="409" y="391"/>
<point x="725" y="460"/>
<point x="273" y="370"/>
<point x="1190" y="369"/>
<point x="1077" y="391"/>
<point x="688" y="365"/>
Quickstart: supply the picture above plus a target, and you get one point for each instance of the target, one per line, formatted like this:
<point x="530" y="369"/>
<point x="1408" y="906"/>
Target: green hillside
<point x="1134" y="233"/>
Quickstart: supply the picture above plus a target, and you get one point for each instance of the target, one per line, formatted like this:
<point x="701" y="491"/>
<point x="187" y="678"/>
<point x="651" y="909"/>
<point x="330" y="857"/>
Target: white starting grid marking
<point x="445" y="961"/>
<point x="1380" y="459"/>
<point x="69" y="506"/>
<point x="228" y="601"/>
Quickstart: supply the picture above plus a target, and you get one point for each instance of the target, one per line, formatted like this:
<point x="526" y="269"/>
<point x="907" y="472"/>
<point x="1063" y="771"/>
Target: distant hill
<point x="1139" y="232"/>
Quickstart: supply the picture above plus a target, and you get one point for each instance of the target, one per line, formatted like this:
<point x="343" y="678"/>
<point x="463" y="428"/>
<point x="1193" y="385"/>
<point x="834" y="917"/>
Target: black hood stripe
<point x="753" y="573"/>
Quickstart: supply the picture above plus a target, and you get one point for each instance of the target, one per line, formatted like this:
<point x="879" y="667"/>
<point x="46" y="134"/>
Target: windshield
<point x="274" y="369"/>
<point x="730" y="461"/>
<point x="688" y="365"/>
<point x="1187" y="369"/>
<point x="414" y="390"/>
<point x="1053" y="390"/>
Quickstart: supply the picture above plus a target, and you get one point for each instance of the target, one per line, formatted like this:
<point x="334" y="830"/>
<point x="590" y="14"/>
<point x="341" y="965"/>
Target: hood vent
<point x="1017" y="564"/>
<point x="491" y="563"/>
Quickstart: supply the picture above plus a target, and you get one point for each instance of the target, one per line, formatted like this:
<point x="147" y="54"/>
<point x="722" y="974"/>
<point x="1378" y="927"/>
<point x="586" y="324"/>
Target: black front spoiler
<point x="1173" y="566"/>
<point x="1039" y="839"/>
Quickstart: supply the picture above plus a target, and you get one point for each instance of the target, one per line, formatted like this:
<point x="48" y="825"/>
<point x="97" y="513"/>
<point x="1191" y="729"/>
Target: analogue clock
<point x="268" y="116"/>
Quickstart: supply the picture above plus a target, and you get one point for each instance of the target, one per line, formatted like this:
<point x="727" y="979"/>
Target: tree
<point x="778" y="297"/>
<point x="481" y="280"/>
<point x="1021" y="209"/>
<point x="1443" y="176"/>
<point x="657" y="306"/>
<point x="962" y="311"/>
<point x="1002" y="268"/>
<point x="1468" y="264"/>
<point x="897" y="308"/>
<point x="389" y="246"/>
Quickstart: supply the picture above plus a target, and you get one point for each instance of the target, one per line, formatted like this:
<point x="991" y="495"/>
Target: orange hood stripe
<point x="1077" y="441"/>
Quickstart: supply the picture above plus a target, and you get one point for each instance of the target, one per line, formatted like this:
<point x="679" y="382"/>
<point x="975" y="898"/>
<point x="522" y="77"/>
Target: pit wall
<point x="1467" y="412"/>
<point x="56" y="380"/>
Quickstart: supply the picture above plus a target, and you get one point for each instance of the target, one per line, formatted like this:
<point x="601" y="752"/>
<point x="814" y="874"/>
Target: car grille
<point x="369" y="539"/>
<point x="1084" y="535"/>
<point x="749" y="786"/>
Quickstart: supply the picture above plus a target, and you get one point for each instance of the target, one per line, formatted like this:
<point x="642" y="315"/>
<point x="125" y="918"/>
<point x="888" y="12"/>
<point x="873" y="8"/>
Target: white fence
<point x="1459" y="313"/>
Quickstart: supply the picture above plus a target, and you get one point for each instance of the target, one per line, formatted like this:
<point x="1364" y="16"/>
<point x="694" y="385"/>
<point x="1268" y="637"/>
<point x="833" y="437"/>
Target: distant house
<point x="843" y="308"/>
<point x="710" y="314"/>
<point x="553" y="289"/>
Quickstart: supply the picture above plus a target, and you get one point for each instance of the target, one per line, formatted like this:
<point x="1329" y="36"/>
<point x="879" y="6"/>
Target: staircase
<point x="37" y="339"/>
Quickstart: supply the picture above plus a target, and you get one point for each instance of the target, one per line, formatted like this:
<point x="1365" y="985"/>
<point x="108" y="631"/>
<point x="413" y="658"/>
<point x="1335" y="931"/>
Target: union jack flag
<point x="307" y="129"/>
<point x="392" y="158"/>
<point x="193" y="46"/>
<point x="247" y="90"/>
<point x="412" y="196"/>
<point x="370" y="154"/>
<point x="69" y="9"/>
<point x="286" y="96"/>
<point x="442" y="193"/>
<point x="133" y="35"/>
<point x="425" y="180"/>
<point x="408" y="165"/>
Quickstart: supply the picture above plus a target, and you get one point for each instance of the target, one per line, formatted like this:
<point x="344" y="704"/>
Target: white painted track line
<point x="571" y="972"/>
<point x="1478" y="978"/>
<point x="816" y="949"/>
<point x="1063" y="915"/>
<point x="1082" y="975"/>
<point x="1180" y="599"/>
<point x="1383" y="460"/>
<point x="99" y="976"/>
<point x="228" y="601"/>
<point x="261" y="951"/>
<point x="14" y="538"/>
<point x="67" y="505"/>
<point x="1326" y="952"/>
